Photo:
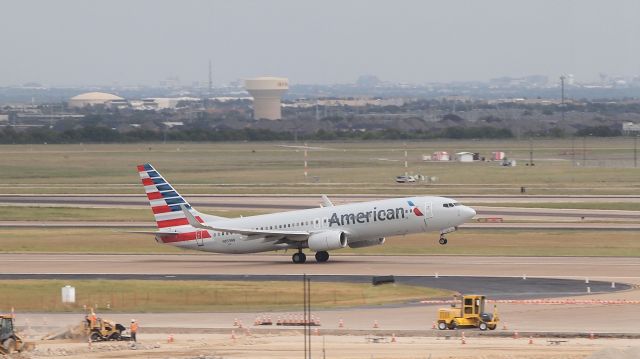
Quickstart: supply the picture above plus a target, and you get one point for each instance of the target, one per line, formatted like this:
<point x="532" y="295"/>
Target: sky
<point x="142" y="42"/>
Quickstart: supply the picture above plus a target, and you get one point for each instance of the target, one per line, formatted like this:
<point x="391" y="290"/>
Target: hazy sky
<point x="130" y="42"/>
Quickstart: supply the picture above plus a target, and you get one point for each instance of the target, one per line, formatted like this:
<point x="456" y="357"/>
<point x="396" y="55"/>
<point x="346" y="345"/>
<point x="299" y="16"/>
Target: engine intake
<point x="367" y="243"/>
<point x="328" y="240"/>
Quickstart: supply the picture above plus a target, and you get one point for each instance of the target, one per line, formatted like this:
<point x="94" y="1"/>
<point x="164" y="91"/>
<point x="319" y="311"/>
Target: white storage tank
<point x="68" y="294"/>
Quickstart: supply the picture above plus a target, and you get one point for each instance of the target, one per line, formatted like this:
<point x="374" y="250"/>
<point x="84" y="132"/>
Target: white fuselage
<point x="359" y="221"/>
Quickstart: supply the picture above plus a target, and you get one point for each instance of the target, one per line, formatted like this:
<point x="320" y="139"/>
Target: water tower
<point x="267" y="92"/>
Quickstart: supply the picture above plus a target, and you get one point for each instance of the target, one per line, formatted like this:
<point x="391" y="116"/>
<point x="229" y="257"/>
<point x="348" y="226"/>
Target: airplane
<point x="329" y="227"/>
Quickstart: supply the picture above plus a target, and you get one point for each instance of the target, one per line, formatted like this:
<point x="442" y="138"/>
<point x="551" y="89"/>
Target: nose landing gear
<point x="443" y="239"/>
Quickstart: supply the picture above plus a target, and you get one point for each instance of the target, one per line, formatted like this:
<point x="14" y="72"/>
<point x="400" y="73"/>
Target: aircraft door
<point x="428" y="210"/>
<point x="199" y="239"/>
<point x="428" y="214"/>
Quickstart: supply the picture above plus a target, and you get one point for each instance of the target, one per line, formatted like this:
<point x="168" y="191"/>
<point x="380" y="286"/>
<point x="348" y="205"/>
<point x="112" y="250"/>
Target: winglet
<point x="326" y="202"/>
<point x="191" y="219"/>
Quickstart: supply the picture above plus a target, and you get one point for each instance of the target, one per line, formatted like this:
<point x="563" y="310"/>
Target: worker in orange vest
<point x="93" y="318"/>
<point x="133" y="329"/>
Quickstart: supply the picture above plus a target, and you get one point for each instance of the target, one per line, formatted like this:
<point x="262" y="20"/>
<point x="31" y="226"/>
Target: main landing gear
<point x="322" y="256"/>
<point x="299" y="257"/>
<point x="442" y="240"/>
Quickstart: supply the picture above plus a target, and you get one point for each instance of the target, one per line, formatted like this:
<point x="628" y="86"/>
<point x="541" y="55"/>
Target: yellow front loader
<point x="470" y="313"/>
<point x="10" y="341"/>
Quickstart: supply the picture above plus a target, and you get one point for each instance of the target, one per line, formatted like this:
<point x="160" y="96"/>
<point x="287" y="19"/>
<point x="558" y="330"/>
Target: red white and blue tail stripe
<point x="165" y="201"/>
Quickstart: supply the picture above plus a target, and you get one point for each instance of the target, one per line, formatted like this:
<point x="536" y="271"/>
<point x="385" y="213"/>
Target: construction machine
<point x="470" y="313"/>
<point x="10" y="341"/>
<point x="98" y="329"/>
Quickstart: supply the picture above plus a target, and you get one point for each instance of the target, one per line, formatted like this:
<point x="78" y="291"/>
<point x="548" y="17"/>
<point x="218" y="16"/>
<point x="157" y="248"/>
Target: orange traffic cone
<point x="393" y="337"/>
<point x="235" y="322"/>
<point x="233" y="335"/>
<point x="433" y="326"/>
<point x="375" y="324"/>
<point x="592" y="336"/>
<point x="316" y="332"/>
<point x="341" y="323"/>
<point x="530" y="339"/>
<point x="516" y="335"/>
<point x="170" y="338"/>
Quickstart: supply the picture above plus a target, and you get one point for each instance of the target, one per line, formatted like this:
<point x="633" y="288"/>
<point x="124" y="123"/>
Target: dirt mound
<point x="75" y="332"/>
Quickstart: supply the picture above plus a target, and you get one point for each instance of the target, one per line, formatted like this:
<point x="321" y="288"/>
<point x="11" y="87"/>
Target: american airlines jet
<point x="321" y="229"/>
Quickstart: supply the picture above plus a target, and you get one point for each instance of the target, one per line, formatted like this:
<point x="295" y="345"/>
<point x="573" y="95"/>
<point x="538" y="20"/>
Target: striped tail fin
<point x="165" y="201"/>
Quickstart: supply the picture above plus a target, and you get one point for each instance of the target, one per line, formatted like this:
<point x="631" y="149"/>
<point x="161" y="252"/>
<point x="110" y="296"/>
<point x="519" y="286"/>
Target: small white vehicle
<point x="405" y="179"/>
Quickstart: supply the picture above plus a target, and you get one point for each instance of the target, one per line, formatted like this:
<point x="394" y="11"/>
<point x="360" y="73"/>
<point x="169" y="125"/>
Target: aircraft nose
<point x="469" y="212"/>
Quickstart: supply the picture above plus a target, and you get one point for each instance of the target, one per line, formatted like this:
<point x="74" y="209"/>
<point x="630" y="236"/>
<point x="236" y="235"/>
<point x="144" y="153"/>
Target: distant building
<point x="93" y="98"/>
<point x="267" y="93"/>
<point x="630" y="128"/>
<point x="465" y="156"/>
<point x="440" y="156"/>
<point x="497" y="156"/>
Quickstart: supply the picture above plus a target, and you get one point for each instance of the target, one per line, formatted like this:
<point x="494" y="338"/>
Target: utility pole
<point x="531" y="151"/>
<point x="584" y="150"/>
<point x="304" y="315"/>
<point x="406" y="163"/>
<point x="562" y="77"/>
<point x="635" y="151"/>
<point x="306" y="284"/>
<point x="210" y="79"/>
<point x="573" y="150"/>
<point x="305" y="160"/>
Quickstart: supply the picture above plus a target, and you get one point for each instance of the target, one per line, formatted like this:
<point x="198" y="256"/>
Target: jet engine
<point x="328" y="240"/>
<point x="367" y="243"/>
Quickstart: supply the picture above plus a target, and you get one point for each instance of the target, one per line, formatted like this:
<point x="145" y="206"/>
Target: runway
<point x="493" y="287"/>
<point x="597" y="268"/>
<point x="269" y="203"/>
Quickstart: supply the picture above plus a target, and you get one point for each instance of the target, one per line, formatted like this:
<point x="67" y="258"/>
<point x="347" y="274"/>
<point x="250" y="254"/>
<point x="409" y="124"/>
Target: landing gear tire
<point x="322" y="256"/>
<point x="442" y="325"/>
<point x="453" y="325"/>
<point x="299" y="258"/>
<point x="483" y="326"/>
<point x="443" y="241"/>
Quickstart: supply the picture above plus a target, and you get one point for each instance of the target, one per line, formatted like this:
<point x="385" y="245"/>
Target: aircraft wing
<point x="293" y="235"/>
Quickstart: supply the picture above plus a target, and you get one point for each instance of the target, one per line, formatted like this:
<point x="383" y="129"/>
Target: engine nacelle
<point x="327" y="240"/>
<point x="367" y="243"/>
